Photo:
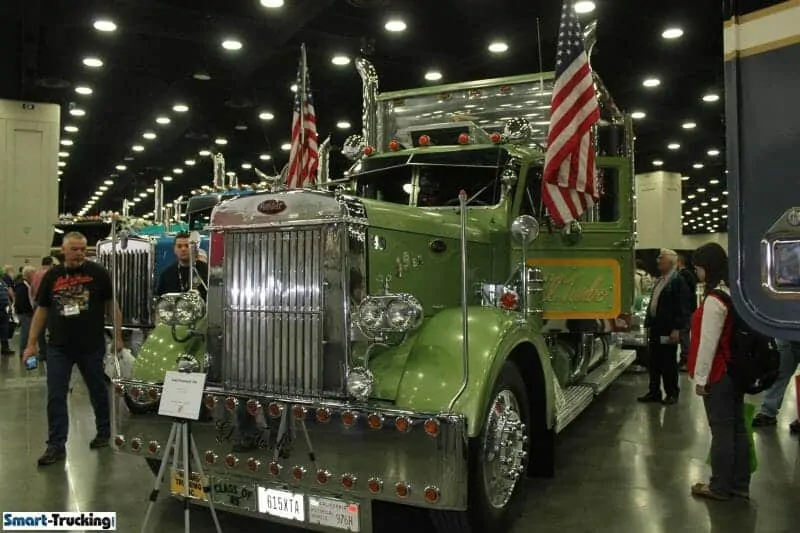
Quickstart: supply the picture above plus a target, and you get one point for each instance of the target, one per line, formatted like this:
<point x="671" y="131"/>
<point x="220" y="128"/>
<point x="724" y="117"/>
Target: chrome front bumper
<point x="631" y="339"/>
<point x="321" y="448"/>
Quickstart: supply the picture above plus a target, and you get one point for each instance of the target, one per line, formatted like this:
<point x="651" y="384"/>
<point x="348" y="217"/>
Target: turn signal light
<point x="274" y="468"/>
<point x="135" y="393"/>
<point x="431" y="494"/>
<point x="368" y="151"/>
<point x="375" y="485"/>
<point x="298" y="472"/>
<point x="496" y="137"/>
<point x="136" y="444"/>
<point x="275" y="410"/>
<point x="299" y="412"/>
<point x="210" y="402"/>
<point x="463" y="138"/>
<point x="211" y="457"/>
<point x="153" y="447"/>
<point x="253" y="464"/>
<point x="153" y="394"/>
<point x="323" y="476"/>
<point x="119" y="388"/>
<point x="252" y="407"/>
<point x="231" y="460"/>
<point x="323" y="415"/>
<point x="432" y="427"/>
<point x="424" y="140"/>
<point x="348" y="481"/>
<point x="394" y="145"/>
<point x="231" y="403"/>
<point x="119" y="441"/>
<point x="402" y="423"/>
<point x="402" y="489"/>
<point x="349" y="418"/>
<point x="375" y="421"/>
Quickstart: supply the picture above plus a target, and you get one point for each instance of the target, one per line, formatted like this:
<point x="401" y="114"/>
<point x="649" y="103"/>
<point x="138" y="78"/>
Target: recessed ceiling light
<point x="433" y="75"/>
<point x="691" y="197"/>
<point x="713" y="152"/>
<point x="241" y="126"/>
<point x="167" y="178"/>
<point x="340" y="60"/>
<point x="121" y="167"/>
<point x="713" y="182"/>
<point x="137" y="200"/>
<point x="67" y="142"/>
<point x="498" y="47"/>
<point x="71" y="129"/>
<point x="343" y="125"/>
<point x="177" y="171"/>
<point x="163" y="120"/>
<point x="684" y="178"/>
<point x="202" y="76"/>
<point x="221" y="141"/>
<point x="77" y="112"/>
<point x="658" y="163"/>
<point x="698" y="165"/>
<point x="672" y="33"/>
<point x="265" y="157"/>
<point x="137" y="148"/>
<point x="651" y="82"/>
<point x="142" y="195"/>
<point x="204" y="153"/>
<point x="231" y="44"/>
<point x="82" y="89"/>
<point x="109" y="182"/>
<point x="638" y="115"/>
<point x="266" y="115"/>
<point x="149" y="135"/>
<point x="689" y="125"/>
<point x="272" y="4"/>
<point x="293" y="88"/>
<point x="584" y="7"/>
<point x="711" y="98"/>
<point x="180" y="108"/>
<point x="701" y="190"/>
<point x="247" y="166"/>
<point x="395" y="25"/>
<point x="92" y="62"/>
<point x="63" y="154"/>
<point x="286" y="147"/>
<point x="673" y="146"/>
<point x="725" y="193"/>
<point x="104" y="25"/>
<point x="62" y="163"/>
<point x="150" y="189"/>
<point x="189" y="162"/>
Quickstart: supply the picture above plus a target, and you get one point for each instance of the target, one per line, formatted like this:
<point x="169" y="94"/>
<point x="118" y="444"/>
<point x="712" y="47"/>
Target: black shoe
<point x="650" y="397"/>
<point x="99" y="442"/>
<point x="7" y="352"/>
<point x="794" y="427"/>
<point x="670" y="400"/>
<point x="762" y="420"/>
<point x="51" y="457"/>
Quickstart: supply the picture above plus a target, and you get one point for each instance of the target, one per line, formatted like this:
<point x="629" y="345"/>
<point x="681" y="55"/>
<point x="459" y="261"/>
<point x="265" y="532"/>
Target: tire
<point x="493" y="511"/>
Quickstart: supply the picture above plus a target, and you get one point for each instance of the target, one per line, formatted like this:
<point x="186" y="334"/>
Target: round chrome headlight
<point x="404" y="313"/>
<point x="165" y="310"/>
<point x="360" y="382"/>
<point x="370" y="314"/>
<point x="189" y="308"/>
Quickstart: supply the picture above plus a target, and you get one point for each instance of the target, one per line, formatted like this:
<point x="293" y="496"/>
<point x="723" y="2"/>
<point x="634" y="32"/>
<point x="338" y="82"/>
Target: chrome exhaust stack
<point x="323" y="170"/>
<point x="158" y="210"/>
<point x="219" y="171"/>
<point x="369" y="102"/>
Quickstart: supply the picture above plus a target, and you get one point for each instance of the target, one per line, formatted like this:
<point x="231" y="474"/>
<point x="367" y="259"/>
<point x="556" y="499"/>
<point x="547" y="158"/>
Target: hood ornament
<point x="271" y="207"/>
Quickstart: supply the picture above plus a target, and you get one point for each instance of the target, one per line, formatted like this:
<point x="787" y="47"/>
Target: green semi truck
<point x="415" y="333"/>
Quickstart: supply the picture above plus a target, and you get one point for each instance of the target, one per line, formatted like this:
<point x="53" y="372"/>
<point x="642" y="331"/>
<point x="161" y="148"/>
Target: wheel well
<point x="526" y="357"/>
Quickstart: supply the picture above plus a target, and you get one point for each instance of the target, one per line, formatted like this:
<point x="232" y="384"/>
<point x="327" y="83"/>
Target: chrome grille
<point x="133" y="280"/>
<point x="273" y="315"/>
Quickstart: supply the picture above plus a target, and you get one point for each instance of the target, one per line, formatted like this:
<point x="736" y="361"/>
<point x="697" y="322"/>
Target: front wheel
<point x="498" y="461"/>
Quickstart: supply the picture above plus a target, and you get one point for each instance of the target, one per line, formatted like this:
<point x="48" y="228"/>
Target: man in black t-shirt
<point x="73" y="300"/>
<point x="175" y="278"/>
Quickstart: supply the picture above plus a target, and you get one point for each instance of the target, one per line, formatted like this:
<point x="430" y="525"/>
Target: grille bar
<point x="133" y="279"/>
<point x="273" y="312"/>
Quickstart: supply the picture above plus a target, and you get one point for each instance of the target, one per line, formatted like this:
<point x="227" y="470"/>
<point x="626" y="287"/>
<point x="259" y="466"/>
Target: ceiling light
<point x="672" y="33"/>
<point x="180" y="108"/>
<point x="651" y="82"/>
<point x="137" y="200"/>
<point x="149" y="135"/>
<point x="189" y="162"/>
<point x="71" y="129"/>
<point x="121" y="167"/>
<point x="715" y="199"/>
<point x="265" y="157"/>
<point x="638" y="115"/>
<point x="272" y="4"/>
<point x="137" y="148"/>
<point x="167" y="178"/>
<point x="204" y="153"/>
<point x="62" y="163"/>
<point x="177" y="171"/>
<point x="66" y="142"/>
<point x="60" y="173"/>
<point x="340" y="60"/>
<point x="81" y="89"/>
<point x="104" y="25"/>
<point x="142" y="195"/>
<point x="584" y="7"/>
<point x="163" y="120"/>
<point x="221" y="141"/>
<point x="92" y="62"/>
<point x="658" y="163"/>
<point x="691" y="197"/>
<point x="102" y="188"/>
<point x="711" y="98"/>
<point x="77" y="112"/>
<point x="109" y="182"/>
<point x="498" y="47"/>
<point x="265" y="115"/>
<point x="343" y="125"/>
<point x="698" y="165"/>
<point x="95" y="198"/>
<point x="713" y="182"/>
<point x="689" y="125"/>
<point x="725" y="193"/>
<point x="202" y="76"/>
<point x="395" y="25"/>
<point x="684" y="178"/>
<point x="713" y="152"/>
<point x="286" y="147"/>
<point x="673" y="146"/>
<point x="63" y="154"/>
<point x="701" y="190"/>
<point x="247" y="166"/>
<point x="241" y="126"/>
<point x="433" y="75"/>
<point x="293" y="88"/>
<point x="150" y="189"/>
<point x="231" y="44"/>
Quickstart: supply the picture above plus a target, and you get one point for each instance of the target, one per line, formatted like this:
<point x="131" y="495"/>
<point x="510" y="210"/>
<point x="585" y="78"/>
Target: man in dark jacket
<point x="667" y="316"/>
<point x="690" y="278"/>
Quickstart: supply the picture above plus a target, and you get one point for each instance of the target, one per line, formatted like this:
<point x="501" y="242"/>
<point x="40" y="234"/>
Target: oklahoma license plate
<point x="281" y="503"/>
<point x="333" y="513"/>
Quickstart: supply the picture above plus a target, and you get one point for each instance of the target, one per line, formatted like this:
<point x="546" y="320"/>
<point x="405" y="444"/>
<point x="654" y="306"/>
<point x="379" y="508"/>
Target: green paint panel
<point x="160" y="352"/>
<point x="580" y="288"/>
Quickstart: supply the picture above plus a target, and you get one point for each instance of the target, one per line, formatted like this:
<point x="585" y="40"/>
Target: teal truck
<point x="415" y="333"/>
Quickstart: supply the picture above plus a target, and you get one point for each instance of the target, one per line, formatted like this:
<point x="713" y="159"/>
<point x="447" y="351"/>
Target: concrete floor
<point x="622" y="467"/>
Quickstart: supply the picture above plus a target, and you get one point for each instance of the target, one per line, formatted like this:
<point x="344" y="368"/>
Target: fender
<point x="433" y="372"/>
<point x="160" y="352"/>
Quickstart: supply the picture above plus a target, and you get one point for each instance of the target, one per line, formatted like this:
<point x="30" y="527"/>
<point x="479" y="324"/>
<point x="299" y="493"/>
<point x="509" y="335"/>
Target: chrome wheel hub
<point x="504" y="456"/>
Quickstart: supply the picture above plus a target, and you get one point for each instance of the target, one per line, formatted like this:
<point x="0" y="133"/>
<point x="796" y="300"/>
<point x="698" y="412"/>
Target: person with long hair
<point x="709" y="354"/>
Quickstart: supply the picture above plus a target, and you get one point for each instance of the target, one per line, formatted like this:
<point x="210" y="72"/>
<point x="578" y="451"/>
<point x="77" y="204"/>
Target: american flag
<point x="569" y="185"/>
<point x="304" y="156"/>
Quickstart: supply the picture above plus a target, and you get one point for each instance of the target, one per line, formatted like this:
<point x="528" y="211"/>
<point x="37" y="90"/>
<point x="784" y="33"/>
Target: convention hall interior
<point x="397" y="317"/>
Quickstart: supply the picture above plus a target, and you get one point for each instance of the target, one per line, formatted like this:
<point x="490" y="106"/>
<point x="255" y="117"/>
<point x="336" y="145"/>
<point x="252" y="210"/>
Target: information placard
<point x="182" y="396"/>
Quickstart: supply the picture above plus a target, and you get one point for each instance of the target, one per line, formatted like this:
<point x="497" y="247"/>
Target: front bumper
<point x="312" y="447"/>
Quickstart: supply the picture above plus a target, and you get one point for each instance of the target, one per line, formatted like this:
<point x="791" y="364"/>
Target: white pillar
<point x="658" y="210"/>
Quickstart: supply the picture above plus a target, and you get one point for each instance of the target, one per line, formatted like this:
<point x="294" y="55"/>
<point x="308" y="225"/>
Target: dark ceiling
<point x="151" y="60"/>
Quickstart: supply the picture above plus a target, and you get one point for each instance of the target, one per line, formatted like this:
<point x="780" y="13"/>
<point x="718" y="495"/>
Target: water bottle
<point x="31" y="363"/>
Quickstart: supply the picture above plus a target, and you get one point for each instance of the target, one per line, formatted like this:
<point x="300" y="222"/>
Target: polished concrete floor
<point x="622" y="467"/>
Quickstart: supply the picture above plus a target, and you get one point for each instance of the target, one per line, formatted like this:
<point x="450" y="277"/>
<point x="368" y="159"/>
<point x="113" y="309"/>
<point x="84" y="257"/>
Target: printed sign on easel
<point x="182" y="396"/>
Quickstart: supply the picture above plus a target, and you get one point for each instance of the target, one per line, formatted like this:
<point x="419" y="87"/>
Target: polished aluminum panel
<point x="133" y="278"/>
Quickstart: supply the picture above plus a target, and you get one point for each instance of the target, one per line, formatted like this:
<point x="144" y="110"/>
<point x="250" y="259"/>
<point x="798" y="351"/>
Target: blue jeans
<point x="24" y="330"/>
<point x="790" y="360"/>
<point x="59" y="373"/>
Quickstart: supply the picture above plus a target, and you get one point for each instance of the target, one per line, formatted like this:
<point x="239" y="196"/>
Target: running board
<point x="576" y="398"/>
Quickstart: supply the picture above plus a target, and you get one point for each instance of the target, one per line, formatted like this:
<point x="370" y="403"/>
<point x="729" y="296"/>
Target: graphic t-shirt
<point x="76" y="300"/>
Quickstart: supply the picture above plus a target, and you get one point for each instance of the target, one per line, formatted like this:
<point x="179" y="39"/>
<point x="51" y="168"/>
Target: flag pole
<point x="541" y="61"/>
<point x="303" y="72"/>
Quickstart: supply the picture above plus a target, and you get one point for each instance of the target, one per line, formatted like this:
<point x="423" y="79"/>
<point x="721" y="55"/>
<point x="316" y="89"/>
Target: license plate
<point x="196" y="485"/>
<point x="336" y="514"/>
<point x="282" y="504"/>
<point x="232" y="494"/>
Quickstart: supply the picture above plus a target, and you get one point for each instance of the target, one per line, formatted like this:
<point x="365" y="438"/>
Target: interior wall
<point x="693" y="242"/>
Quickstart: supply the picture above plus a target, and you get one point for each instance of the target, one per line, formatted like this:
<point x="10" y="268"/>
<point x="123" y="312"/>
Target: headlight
<point x="181" y="309"/>
<point x="391" y="313"/>
<point x="359" y="382"/>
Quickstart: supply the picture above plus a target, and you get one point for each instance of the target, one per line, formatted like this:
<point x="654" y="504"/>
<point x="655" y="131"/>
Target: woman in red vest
<point x="709" y="353"/>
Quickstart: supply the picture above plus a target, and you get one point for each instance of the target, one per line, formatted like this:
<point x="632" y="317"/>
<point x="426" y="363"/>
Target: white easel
<point x="180" y="400"/>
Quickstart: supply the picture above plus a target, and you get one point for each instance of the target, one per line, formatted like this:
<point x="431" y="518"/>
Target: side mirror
<point x="525" y="229"/>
